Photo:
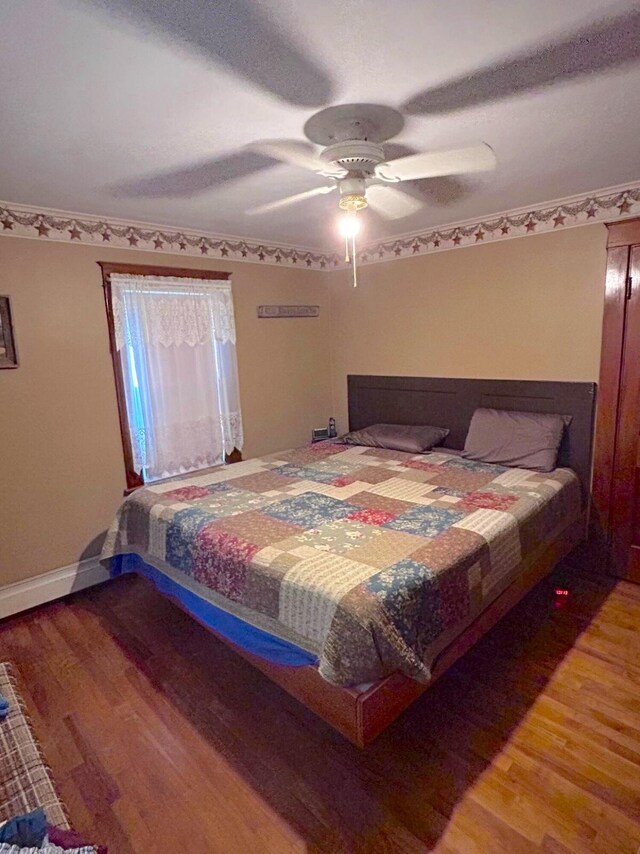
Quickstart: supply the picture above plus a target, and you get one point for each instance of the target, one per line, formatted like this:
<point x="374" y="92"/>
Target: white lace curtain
<point x="176" y="339"/>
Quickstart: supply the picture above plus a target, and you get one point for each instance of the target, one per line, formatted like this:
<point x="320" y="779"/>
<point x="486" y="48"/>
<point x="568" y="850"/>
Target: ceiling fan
<point x="353" y="137"/>
<point x="353" y="158"/>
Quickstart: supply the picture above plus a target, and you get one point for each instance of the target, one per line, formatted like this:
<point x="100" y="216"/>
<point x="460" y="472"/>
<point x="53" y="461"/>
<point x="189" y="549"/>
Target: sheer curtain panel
<point x="176" y="341"/>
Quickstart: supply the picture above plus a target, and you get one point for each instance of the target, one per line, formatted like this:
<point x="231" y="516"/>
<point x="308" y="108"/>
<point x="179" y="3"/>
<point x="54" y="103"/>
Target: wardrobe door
<point x="625" y="504"/>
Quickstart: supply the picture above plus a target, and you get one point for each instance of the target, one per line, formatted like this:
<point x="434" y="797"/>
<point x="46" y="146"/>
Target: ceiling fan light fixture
<point x="352" y="202"/>
<point x="352" y="194"/>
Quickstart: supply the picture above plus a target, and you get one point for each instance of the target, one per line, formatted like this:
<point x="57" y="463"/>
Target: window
<point x="173" y="343"/>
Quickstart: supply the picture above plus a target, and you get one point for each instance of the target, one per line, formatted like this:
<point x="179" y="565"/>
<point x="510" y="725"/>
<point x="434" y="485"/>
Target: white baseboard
<point x="51" y="585"/>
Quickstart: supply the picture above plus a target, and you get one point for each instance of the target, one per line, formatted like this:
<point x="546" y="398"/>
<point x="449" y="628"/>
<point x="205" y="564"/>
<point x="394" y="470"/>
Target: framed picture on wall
<point x="8" y="354"/>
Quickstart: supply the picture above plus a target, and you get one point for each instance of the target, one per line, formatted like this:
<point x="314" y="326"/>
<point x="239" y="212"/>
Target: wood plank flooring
<point x="161" y="738"/>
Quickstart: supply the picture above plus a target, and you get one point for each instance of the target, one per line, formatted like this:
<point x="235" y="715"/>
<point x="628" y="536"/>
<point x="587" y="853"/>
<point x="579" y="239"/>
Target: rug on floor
<point x="25" y="779"/>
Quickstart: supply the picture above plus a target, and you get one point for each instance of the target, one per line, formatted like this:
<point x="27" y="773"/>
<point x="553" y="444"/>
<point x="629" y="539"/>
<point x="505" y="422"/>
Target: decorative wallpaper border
<point x="18" y="220"/>
<point x="600" y="206"/>
<point x="610" y="204"/>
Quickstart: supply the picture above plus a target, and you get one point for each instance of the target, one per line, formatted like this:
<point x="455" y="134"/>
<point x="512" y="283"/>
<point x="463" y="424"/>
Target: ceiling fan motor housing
<point x="355" y="155"/>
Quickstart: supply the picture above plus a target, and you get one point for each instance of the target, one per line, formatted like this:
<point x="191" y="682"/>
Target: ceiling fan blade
<point x="194" y="179"/>
<point x="433" y="164"/>
<point x="296" y="153"/>
<point x="391" y="202"/>
<point x="238" y="35"/>
<point x="290" y="200"/>
<point x="606" y="44"/>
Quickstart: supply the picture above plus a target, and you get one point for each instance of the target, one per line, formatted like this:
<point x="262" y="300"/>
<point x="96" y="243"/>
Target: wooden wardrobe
<point x="616" y="481"/>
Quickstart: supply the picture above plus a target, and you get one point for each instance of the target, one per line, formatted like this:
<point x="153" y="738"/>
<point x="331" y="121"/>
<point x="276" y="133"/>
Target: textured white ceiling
<point x="138" y="109"/>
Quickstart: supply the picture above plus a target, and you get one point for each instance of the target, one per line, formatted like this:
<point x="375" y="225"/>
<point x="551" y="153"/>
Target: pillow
<point x="528" y="440"/>
<point x="397" y="437"/>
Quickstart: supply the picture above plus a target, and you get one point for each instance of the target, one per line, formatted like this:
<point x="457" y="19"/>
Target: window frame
<point x="135" y="480"/>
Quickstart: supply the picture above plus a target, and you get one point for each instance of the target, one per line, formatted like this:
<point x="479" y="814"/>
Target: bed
<point x="354" y="576"/>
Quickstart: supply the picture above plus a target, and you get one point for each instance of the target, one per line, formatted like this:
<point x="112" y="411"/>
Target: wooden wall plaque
<point x="267" y="311"/>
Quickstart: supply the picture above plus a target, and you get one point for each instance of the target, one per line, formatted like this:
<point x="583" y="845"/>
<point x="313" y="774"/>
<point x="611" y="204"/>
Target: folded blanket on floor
<point x="25" y="780"/>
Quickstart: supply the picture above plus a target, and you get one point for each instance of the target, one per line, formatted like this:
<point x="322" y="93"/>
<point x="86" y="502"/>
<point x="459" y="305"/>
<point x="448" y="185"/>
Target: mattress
<point x="365" y="560"/>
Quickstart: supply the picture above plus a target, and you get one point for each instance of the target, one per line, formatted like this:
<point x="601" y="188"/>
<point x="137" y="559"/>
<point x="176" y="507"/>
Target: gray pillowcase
<point x="528" y="440"/>
<point x="398" y="437"/>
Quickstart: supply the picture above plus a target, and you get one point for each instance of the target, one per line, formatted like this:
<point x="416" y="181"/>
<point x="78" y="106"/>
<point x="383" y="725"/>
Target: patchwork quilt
<point x="374" y="560"/>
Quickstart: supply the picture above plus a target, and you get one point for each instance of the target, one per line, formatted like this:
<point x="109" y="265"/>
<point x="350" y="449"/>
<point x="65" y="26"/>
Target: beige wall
<point x="523" y="308"/>
<point x="61" y="469"/>
<point x="527" y="308"/>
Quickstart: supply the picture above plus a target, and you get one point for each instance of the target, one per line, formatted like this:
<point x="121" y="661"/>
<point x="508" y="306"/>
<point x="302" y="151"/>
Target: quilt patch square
<point x="266" y="481"/>
<point x="256" y="527"/>
<point x="415" y="474"/>
<point x="341" y="493"/>
<point x="343" y="480"/>
<point x="275" y="559"/>
<point x="182" y="531"/>
<point x="448" y="501"/>
<point x="327" y="449"/>
<point x="514" y="477"/>
<point x="409" y="594"/>
<point x="455" y="598"/>
<point x="309" y="510"/>
<point x="340" y="537"/>
<point x="193" y="492"/>
<point x="486" y="500"/>
<point x="158" y="521"/>
<point x="422" y="465"/>
<point x="380" y="502"/>
<point x="311" y="454"/>
<point x="134" y="516"/>
<point x="461" y="479"/>
<point x="493" y="469"/>
<point x="425" y="521"/>
<point x="233" y="501"/>
<point x="188" y="493"/>
<point x="500" y="530"/>
<point x="406" y="490"/>
<point x="385" y="454"/>
<point x="220" y="561"/>
<point x="455" y="545"/>
<point x="443" y="492"/>
<point x="386" y="550"/>
<point x="311" y="591"/>
<point x="305" y="473"/>
<point x="262" y="584"/>
<point x="371" y="516"/>
<point x="438" y="458"/>
<point x="371" y="474"/>
<point x="335" y="464"/>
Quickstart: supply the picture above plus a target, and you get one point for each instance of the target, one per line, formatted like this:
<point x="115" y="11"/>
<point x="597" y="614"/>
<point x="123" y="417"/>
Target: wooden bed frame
<point x="361" y="715"/>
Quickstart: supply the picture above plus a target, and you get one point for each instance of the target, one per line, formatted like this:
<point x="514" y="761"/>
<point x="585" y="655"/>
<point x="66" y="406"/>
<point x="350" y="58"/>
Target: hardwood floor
<point x="161" y="738"/>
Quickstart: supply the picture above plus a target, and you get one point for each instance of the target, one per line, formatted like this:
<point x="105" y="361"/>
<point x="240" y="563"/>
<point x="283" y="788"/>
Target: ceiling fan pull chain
<point x="353" y="258"/>
<point x="346" y="249"/>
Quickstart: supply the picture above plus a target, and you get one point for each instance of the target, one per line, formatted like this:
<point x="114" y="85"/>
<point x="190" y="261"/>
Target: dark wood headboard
<point x="450" y="402"/>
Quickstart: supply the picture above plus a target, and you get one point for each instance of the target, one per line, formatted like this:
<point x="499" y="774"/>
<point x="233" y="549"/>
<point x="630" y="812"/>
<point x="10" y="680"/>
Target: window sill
<point x="234" y="457"/>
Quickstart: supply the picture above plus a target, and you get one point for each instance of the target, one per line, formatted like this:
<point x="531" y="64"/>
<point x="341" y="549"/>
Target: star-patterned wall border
<point x="22" y="221"/>
<point x="600" y="206"/>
